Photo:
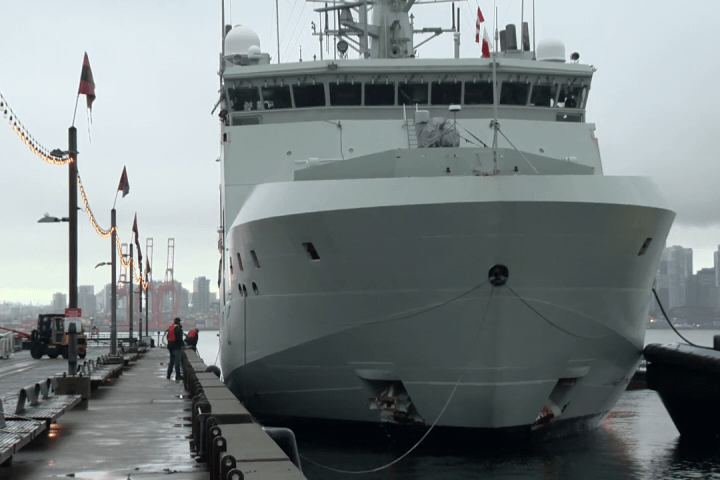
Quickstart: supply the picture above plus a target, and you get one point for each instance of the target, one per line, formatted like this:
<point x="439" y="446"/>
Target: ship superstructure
<point x="405" y="234"/>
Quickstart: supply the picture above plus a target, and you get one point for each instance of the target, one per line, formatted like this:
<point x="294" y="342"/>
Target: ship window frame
<point x="277" y="87"/>
<point x="412" y="101"/>
<point x="478" y="84"/>
<point x="391" y="85"/>
<point x="444" y="86"/>
<point x="240" y="264"/>
<point x="554" y="89"/>
<point x="318" y="86"/>
<point x="255" y="102"/>
<point x="335" y="88"/>
<point x="503" y="100"/>
<point x="580" y="92"/>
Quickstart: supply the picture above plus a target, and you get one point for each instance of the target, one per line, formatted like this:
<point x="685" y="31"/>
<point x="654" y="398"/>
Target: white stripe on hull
<point x="400" y="292"/>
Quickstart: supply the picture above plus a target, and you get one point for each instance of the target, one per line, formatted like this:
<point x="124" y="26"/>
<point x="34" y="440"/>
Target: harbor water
<point x="637" y="441"/>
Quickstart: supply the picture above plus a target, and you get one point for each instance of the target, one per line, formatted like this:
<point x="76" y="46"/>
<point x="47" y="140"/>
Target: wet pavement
<point x="135" y="428"/>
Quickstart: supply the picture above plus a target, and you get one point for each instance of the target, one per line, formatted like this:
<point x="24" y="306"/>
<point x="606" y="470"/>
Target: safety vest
<point x="193" y="333"/>
<point x="171" y="333"/>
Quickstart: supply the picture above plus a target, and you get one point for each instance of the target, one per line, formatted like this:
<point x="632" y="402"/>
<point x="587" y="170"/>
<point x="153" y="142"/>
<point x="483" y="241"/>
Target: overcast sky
<point x="654" y="99"/>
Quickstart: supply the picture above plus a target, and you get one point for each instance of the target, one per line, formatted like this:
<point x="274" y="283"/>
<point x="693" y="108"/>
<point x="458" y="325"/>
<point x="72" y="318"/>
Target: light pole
<point x="113" y="294"/>
<point x="72" y="214"/>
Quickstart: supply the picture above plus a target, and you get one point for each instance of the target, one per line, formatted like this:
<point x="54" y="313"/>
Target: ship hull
<point x="397" y="320"/>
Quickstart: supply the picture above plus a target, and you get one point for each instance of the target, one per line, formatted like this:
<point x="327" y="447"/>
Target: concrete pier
<point x="137" y="426"/>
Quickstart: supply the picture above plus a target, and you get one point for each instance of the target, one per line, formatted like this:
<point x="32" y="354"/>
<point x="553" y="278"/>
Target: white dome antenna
<point x="551" y="51"/>
<point x="240" y="40"/>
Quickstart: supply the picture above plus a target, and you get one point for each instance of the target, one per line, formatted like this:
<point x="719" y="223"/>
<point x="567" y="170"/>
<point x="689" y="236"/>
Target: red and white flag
<point x="478" y="25"/>
<point x="485" y="44"/>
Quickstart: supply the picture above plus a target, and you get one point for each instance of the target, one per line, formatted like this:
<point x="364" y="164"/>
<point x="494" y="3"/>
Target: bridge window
<point x="379" y="94"/>
<point x="276" y="97"/>
<point x="243" y="99"/>
<point x="478" y="93"/>
<point x="343" y="94"/>
<point x="240" y="264"/>
<point x="446" y="93"/>
<point x="543" y="95"/>
<point x="514" y="93"/>
<point x="309" y="95"/>
<point x="413" y="93"/>
<point x="571" y="96"/>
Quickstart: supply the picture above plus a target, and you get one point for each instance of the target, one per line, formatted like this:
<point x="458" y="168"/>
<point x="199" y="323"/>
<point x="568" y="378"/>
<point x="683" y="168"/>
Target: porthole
<point x="255" y="288"/>
<point x="255" y="258"/>
<point x="244" y="289"/>
<point x="240" y="265"/>
<point x="240" y="288"/>
<point x="498" y="275"/>
<point x="231" y="268"/>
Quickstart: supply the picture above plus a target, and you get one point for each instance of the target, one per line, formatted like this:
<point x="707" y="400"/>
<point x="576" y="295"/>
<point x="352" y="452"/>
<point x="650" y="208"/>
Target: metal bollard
<point x="72" y="349"/>
<point x="235" y="474"/>
<point x="219" y="446"/>
<point x="227" y="463"/>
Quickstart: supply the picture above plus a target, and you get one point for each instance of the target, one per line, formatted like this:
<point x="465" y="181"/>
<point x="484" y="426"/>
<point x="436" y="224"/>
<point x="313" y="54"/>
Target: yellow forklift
<point x="52" y="339"/>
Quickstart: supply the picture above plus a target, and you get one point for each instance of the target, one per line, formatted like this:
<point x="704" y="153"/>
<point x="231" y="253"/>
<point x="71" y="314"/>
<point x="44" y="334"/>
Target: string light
<point x="65" y="159"/>
<point x="103" y="233"/>
<point x="130" y="264"/>
<point x="29" y="140"/>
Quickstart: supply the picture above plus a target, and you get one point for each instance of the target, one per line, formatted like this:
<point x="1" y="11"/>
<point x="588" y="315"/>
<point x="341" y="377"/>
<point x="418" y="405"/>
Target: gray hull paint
<point x="400" y="294"/>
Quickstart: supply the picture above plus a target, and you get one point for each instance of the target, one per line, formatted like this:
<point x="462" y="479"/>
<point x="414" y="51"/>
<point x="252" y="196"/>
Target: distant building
<point x="59" y="302"/>
<point x="676" y="266"/>
<point x="702" y="291"/>
<point x="87" y="301"/>
<point x="201" y="295"/>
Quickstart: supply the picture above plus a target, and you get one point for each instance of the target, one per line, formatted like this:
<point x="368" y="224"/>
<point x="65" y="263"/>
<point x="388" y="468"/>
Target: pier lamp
<point x="46" y="218"/>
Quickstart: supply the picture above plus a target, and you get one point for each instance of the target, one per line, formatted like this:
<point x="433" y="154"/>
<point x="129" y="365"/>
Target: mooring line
<point x="452" y="394"/>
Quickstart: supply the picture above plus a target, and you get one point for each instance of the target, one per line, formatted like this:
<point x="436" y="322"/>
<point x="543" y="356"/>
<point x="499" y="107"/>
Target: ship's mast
<point x="495" y="125"/>
<point x="388" y="35"/>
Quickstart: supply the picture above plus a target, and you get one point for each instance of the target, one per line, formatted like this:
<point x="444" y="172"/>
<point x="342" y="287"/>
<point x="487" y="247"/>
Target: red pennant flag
<point x="124" y="184"/>
<point x="478" y="25"/>
<point x="485" y="44"/>
<point x="87" y="84"/>
<point x="134" y="229"/>
<point x="137" y="243"/>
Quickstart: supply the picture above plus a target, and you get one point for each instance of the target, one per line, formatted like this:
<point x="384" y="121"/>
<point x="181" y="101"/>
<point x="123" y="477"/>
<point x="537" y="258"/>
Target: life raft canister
<point x="171" y="333"/>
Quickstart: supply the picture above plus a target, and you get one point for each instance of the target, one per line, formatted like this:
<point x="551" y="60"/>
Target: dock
<point x="134" y="424"/>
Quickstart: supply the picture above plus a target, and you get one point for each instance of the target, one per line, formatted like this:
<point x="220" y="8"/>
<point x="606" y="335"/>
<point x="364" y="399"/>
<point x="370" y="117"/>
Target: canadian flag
<point x="478" y="25"/>
<point x="485" y="44"/>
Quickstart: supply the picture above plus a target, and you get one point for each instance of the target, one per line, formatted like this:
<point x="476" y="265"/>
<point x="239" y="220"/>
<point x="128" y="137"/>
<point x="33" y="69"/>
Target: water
<point x="637" y="441"/>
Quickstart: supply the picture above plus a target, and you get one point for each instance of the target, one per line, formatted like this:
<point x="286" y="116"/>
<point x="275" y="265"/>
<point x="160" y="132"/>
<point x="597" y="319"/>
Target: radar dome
<point x="239" y="40"/>
<point x="551" y="51"/>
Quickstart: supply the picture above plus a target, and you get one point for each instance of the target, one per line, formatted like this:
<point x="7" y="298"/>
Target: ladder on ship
<point x="410" y="128"/>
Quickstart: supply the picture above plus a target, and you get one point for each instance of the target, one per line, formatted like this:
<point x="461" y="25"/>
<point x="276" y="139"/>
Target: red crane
<point x="168" y="286"/>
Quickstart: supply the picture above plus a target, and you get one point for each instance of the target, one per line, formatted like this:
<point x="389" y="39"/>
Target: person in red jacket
<point x="192" y="338"/>
<point x="175" y="345"/>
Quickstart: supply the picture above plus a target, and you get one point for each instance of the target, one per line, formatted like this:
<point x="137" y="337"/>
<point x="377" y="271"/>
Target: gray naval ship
<point x="426" y="241"/>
